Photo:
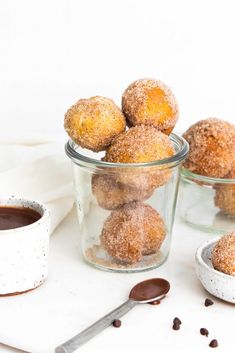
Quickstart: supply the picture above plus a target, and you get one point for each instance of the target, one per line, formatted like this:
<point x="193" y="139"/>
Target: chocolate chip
<point x="177" y="321"/>
<point x="204" y="332"/>
<point x="213" y="344"/>
<point x="117" y="323"/>
<point x="176" y="326"/>
<point x="208" y="302"/>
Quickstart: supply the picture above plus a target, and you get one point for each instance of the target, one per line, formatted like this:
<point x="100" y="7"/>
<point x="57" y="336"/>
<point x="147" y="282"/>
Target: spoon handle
<point x="84" y="336"/>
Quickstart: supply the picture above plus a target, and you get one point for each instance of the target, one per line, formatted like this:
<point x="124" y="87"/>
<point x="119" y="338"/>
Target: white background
<point x="54" y="52"/>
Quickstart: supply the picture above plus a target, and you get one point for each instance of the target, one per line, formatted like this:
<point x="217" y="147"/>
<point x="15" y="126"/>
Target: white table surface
<point x="76" y="294"/>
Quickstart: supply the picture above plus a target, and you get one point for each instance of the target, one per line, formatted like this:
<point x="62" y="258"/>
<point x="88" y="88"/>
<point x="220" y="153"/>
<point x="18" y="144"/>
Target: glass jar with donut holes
<point x="125" y="210"/>
<point x="207" y="203"/>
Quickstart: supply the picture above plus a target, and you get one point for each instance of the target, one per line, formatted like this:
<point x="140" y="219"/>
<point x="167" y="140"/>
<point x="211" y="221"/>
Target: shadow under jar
<point x="126" y="211"/>
<point x="207" y="203"/>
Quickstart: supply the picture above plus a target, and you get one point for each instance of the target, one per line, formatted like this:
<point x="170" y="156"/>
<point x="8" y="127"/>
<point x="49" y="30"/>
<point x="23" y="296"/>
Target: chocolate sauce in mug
<point x="16" y="217"/>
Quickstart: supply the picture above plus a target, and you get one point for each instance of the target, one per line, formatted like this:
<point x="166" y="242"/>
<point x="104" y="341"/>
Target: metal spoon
<point x="144" y="292"/>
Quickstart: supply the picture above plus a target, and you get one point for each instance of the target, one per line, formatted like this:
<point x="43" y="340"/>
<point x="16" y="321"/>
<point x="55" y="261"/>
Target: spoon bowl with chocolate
<point x="150" y="291"/>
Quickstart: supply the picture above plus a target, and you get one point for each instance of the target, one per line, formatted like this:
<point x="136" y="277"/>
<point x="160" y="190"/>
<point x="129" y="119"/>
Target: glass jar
<point x="207" y="203"/>
<point x="125" y="211"/>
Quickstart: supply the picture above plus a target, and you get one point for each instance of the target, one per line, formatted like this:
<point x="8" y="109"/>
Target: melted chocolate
<point x="150" y="289"/>
<point x="15" y="217"/>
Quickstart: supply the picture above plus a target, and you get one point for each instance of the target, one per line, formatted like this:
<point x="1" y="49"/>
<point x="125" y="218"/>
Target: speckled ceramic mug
<point x="24" y="251"/>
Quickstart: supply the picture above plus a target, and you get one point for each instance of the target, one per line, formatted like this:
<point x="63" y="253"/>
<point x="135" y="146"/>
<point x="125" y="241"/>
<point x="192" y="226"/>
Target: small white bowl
<point x="24" y="251"/>
<point x="215" y="282"/>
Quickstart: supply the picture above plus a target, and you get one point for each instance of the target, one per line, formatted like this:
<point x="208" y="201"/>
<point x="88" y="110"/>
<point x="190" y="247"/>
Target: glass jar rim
<point x="187" y="174"/>
<point x="78" y="158"/>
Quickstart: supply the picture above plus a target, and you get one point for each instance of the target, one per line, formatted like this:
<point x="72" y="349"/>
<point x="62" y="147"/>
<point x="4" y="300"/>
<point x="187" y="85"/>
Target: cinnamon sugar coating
<point x="132" y="231"/>
<point x="154" y="231"/>
<point x="212" y="150"/>
<point x="94" y="122"/>
<point x="111" y="194"/>
<point x="150" y="102"/>
<point x="223" y="254"/>
<point x="141" y="144"/>
<point x="225" y="195"/>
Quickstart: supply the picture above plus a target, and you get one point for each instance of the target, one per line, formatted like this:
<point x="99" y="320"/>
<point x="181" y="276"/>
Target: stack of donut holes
<point x="137" y="133"/>
<point x="212" y="154"/>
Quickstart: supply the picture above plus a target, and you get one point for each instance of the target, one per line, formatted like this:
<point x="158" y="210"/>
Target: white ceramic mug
<point x="24" y="251"/>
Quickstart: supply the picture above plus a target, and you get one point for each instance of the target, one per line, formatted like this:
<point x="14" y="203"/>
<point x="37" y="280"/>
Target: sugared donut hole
<point x="133" y="230"/>
<point x="150" y="102"/>
<point x="225" y="195"/>
<point x="94" y="122"/>
<point x="110" y="194"/>
<point x="141" y="144"/>
<point x="223" y="254"/>
<point x="212" y="150"/>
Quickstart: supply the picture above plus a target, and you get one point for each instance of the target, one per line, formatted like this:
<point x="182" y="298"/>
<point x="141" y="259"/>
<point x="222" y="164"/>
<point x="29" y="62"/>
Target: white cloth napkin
<point x="36" y="167"/>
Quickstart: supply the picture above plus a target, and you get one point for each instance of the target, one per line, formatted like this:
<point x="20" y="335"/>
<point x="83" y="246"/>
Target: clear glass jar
<point x="126" y="211"/>
<point x="207" y="203"/>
